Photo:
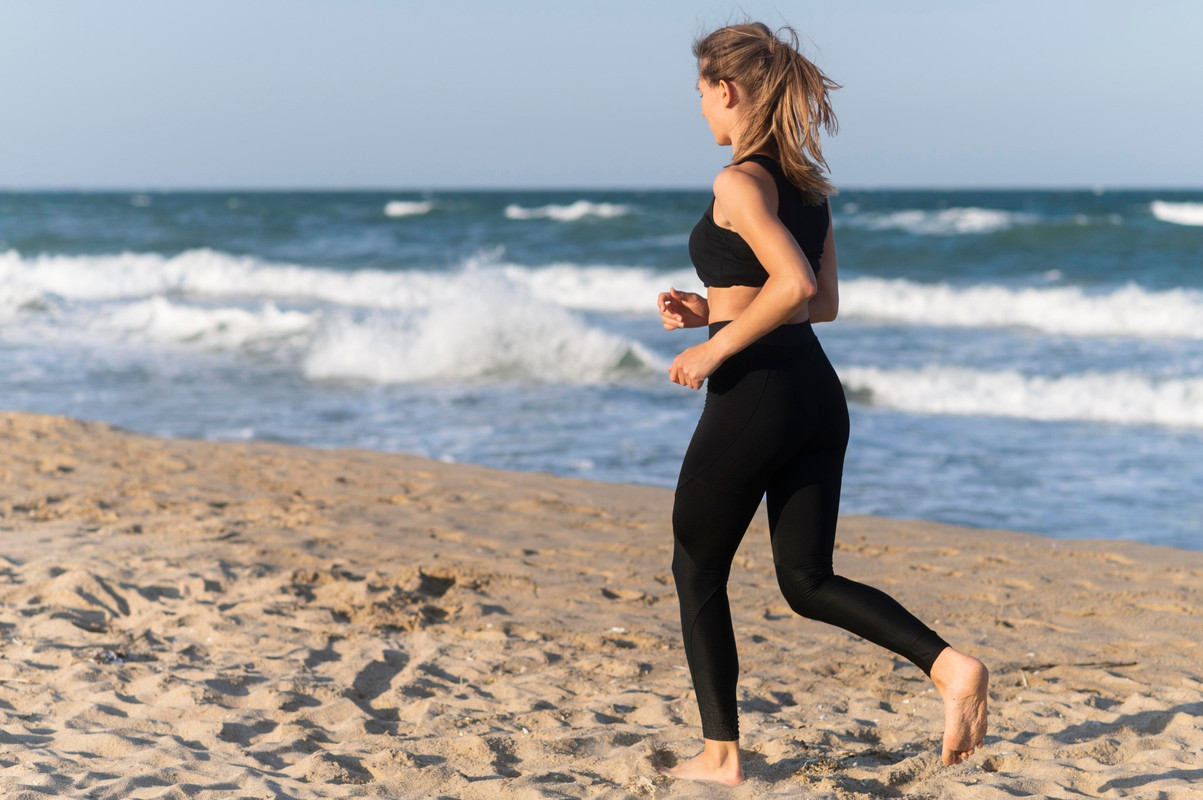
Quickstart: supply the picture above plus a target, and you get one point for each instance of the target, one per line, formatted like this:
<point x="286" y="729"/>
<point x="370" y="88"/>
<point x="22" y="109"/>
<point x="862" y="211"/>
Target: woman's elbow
<point x="800" y="291"/>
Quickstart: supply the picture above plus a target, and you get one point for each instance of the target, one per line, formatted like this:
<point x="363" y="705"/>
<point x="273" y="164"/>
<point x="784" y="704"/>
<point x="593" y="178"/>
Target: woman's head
<point x="777" y="99"/>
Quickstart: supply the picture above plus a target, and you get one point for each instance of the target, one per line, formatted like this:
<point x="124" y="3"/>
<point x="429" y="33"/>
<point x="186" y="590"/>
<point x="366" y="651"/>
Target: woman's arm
<point x="826" y="303"/>
<point x="744" y="200"/>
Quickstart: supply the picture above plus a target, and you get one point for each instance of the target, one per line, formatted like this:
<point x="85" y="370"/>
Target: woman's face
<point x="717" y="109"/>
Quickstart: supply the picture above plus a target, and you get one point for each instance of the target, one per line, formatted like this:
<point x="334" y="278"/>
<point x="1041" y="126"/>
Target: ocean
<point x="1030" y="360"/>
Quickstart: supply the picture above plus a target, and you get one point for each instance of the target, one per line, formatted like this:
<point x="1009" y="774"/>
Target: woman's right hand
<point x="682" y="309"/>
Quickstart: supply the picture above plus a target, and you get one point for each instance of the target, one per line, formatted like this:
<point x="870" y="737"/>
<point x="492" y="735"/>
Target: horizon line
<point x="116" y="189"/>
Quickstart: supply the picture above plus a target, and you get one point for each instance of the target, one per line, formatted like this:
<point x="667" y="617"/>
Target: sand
<point x="252" y="620"/>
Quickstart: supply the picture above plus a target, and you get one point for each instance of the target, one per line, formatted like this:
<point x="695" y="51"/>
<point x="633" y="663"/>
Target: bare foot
<point x="718" y="762"/>
<point x="962" y="682"/>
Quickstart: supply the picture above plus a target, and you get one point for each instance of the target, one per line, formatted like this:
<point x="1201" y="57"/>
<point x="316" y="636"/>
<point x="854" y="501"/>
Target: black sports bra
<point x="722" y="258"/>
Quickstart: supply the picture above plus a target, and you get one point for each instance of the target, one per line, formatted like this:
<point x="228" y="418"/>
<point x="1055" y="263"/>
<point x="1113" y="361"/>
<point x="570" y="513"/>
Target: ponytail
<point x="789" y="99"/>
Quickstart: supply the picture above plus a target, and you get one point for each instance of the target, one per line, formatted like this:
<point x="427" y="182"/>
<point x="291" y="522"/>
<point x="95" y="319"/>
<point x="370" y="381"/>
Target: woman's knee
<point x="802" y="587"/>
<point x="692" y="569"/>
<point x="683" y="567"/>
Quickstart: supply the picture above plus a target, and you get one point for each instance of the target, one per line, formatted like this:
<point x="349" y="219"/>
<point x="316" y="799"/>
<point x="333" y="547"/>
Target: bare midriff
<point x="728" y="302"/>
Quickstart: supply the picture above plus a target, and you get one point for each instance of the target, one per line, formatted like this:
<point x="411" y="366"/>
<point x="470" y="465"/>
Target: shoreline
<point x="349" y="623"/>
<point x="1109" y="543"/>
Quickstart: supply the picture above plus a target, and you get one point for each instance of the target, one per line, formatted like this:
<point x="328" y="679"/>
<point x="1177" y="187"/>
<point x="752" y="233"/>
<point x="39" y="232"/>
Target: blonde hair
<point x="788" y="99"/>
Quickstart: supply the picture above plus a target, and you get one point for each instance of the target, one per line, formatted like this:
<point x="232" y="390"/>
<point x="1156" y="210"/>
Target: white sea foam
<point x="1119" y="397"/>
<point x="481" y="322"/>
<point x="945" y="222"/>
<point x="407" y="208"/>
<point x="569" y="213"/>
<point x="1126" y="311"/>
<point x="212" y="274"/>
<point x="1178" y="213"/>
<point x="470" y="342"/>
<point x="14" y="297"/>
<point x="486" y="328"/>
<point x="614" y="289"/>
<point x="159" y="320"/>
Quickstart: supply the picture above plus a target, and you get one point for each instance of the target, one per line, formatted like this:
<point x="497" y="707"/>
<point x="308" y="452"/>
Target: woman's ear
<point x="729" y="93"/>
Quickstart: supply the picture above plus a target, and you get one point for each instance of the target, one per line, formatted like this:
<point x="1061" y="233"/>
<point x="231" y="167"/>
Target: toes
<point x="956" y="756"/>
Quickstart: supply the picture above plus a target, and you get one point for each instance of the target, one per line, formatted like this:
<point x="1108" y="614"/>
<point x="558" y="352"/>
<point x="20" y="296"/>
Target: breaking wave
<point x="1177" y="213"/>
<point x="407" y="208"/>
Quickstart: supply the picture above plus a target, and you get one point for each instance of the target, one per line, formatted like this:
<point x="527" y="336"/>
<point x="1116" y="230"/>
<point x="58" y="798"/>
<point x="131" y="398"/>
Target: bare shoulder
<point x="740" y="180"/>
<point x="742" y="191"/>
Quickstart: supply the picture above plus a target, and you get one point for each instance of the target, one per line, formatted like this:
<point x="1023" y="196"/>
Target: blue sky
<point x="467" y="94"/>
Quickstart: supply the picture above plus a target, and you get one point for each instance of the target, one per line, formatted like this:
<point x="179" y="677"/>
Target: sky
<point x="467" y="94"/>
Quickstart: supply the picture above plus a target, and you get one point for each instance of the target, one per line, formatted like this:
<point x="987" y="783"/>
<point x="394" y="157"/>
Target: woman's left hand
<point x="694" y="365"/>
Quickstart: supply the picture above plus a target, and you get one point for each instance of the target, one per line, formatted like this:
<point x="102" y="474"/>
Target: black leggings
<point x="775" y="423"/>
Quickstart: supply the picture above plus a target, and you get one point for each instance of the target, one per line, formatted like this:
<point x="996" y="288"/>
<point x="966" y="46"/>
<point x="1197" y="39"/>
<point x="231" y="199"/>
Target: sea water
<point x="1029" y="360"/>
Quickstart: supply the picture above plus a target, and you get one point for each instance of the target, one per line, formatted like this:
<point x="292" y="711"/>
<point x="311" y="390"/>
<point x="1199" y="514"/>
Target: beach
<point x="185" y="618"/>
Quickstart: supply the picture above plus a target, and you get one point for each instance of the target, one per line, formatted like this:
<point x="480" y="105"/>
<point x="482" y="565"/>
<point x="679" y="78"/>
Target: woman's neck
<point x="769" y="149"/>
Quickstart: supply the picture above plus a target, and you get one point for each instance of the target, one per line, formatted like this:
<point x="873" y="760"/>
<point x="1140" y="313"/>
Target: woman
<point x="775" y="421"/>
